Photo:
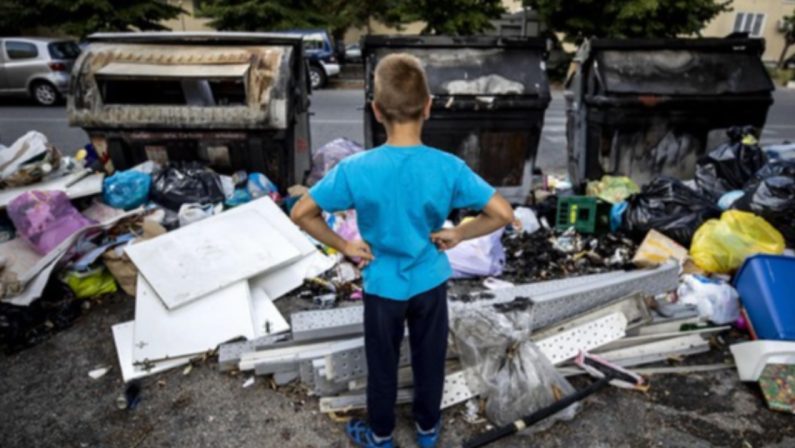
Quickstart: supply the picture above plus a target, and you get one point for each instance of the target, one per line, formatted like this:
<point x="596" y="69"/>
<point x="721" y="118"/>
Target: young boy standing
<point x="402" y="192"/>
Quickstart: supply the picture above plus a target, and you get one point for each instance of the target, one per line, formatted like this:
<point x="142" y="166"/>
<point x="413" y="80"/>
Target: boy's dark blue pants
<point x="384" y="325"/>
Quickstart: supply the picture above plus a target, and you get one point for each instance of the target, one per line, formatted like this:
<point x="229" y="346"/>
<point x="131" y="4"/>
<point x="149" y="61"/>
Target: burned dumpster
<point x="232" y="100"/>
<point x="489" y="99"/>
<point x="647" y="107"/>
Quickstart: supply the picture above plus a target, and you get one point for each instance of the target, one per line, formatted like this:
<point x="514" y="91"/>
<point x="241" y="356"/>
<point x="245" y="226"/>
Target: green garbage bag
<point x="613" y="189"/>
<point x="92" y="283"/>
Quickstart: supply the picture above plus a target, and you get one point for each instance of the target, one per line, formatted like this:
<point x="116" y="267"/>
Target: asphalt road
<point x="338" y="113"/>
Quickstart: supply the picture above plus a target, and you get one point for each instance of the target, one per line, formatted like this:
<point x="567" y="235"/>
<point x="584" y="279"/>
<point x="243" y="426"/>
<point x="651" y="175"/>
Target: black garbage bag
<point x="184" y="183"/>
<point x="731" y="165"/>
<point x="668" y="206"/>
<point x="771" y="195"/>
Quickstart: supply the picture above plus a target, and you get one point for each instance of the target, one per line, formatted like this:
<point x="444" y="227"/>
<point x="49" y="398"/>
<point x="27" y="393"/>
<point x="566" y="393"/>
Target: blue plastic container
<point x="766" y="284"/>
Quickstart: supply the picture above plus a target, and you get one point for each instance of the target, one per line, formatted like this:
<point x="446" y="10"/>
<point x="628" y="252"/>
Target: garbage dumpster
<point x="489" y="99"/>
<point x="233" y="100"/>
<point x="641" y="108"/>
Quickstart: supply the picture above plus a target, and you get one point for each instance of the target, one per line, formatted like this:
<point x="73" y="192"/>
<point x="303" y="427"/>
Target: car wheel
<point x="45" y="93"/>
<point x="317" y="77"/>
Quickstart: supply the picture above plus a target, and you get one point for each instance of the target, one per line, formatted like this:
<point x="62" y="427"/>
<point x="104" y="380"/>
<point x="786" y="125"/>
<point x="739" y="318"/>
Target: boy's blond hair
<point x="401" y="88"/>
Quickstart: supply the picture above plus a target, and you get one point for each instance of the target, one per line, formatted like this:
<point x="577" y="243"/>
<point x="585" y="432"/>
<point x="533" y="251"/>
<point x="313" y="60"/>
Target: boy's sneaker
<point x="429" y="438"/>
<point x="361" y="435"/>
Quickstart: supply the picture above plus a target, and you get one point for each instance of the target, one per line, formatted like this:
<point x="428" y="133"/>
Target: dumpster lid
<point x="468" y="66"/>
<point x="198" y="37"/>
<point x="699" y="66"/>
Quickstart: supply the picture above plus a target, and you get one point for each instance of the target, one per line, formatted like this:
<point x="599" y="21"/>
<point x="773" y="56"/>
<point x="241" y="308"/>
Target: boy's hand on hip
<point x="358" y="250"/>
<point x="446" y="239"/>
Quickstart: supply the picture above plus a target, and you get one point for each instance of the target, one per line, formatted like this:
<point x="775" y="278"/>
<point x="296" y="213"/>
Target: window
<point x="63" y="50"/>
<point x="748" y="22"/>
<point x="21" y="50"/>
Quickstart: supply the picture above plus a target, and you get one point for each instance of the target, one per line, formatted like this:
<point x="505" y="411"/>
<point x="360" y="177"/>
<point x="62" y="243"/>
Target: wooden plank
<point x="210" y="255"/>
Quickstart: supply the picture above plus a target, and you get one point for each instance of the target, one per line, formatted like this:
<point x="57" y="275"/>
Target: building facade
<point x="759" y="18"/>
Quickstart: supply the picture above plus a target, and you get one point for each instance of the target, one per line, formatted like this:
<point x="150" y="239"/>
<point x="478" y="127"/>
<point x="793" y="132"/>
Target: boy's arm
<point x="308" y="216"/>
<point x="497" y="213"/>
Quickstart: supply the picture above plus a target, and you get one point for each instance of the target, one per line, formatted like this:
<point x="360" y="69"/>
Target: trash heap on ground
<point x="633" y="275"/>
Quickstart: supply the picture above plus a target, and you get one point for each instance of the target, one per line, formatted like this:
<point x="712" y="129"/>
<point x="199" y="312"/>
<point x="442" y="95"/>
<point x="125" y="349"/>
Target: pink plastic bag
<point x="45" y="218"/>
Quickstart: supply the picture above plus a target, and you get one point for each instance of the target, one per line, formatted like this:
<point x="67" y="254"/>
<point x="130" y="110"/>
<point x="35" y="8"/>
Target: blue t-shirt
<point x="402" y="194"/>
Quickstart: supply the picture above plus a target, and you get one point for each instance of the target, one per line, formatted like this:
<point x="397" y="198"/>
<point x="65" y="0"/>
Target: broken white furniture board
<point x="278" y="282"/>
<point x="752" y="357"/>
<point x="87" y="186"/>
<point x="294" y="353"/>
<point x="123" y="339"/>
<point x="267" y="320"/>
<point x="631" y="341"/>
<point x="209" y="255"/>
<point x="568" y="344"/>
<point x="657" y="351"/>
<point x="161" y="333"/>
<point x="456" y="390"/>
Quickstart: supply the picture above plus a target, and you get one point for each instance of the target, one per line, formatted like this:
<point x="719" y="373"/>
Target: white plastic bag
<point x="717" y="301"/>
<point x="190" y="213"/>
<point x="528" y="220"/>
<point x="479" y="257"/>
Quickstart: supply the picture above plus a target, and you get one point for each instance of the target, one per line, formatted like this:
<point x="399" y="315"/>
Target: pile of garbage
<point x="635" y="274"/>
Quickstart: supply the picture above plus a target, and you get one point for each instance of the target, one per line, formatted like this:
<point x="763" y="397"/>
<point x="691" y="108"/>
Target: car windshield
<point x="64" y="50"/>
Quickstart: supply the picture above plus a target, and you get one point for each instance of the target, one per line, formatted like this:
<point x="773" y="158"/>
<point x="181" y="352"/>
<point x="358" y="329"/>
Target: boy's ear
<point x="378" y="117"/>
<point x="426" y="111"/>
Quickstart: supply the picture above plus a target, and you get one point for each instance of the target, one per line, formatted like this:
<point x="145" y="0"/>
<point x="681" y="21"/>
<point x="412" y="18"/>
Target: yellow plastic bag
<point x="93" y="283"/>
<point x="612" y="189"/>
<point x="721" y="246"/>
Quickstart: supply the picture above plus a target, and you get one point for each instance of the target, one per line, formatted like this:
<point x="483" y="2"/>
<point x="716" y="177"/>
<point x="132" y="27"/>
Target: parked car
<point x="319" y="53"/>
<point x="36" y="67"/>
<point x="353" y="53"/>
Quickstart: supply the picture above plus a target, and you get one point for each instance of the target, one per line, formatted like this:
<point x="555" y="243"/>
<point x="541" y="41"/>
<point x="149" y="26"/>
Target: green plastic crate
<point x="586" y="214"/>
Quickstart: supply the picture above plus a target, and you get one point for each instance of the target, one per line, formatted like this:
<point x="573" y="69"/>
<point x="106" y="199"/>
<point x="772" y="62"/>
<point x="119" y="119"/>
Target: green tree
<point x="262" y="15"/>
<point x="627" y="18"/>
<point x="82" y="17"/>
<point x="789" y="37"/>
<point x="453" y="17"/>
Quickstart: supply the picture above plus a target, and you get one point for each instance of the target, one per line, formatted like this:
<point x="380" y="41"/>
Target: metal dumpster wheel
<point x="44" y="93"/>
<point x="317" y="77"/>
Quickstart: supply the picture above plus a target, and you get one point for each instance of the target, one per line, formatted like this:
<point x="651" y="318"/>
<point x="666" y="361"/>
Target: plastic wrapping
<point x="771" y="195"/>
<point x="721" y="246"/>
<point x="729" y="166"/>
<point x="612" y="189"/>
<point x="45" y="218"/>
<point x="28" y="160"/>
<point x="717" y="301"/>
<point x="670" y="207"/>
<point x="504" y="365"/>
<point x="93" y="283"/>
<point x="329" y="155"/>
<point x="186" y="182"/>
<point x="126" y="189"/>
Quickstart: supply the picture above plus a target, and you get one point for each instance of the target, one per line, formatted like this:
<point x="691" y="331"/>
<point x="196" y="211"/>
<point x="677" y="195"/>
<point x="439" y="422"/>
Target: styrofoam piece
<point x="752" y="357"/>
<point x="209" y="255"/>
<point x="161" y="333"/>
<point x="632" y="341"/>
<point x="657" y="351"/>
<point x="123" y="339"/>
<point x="266" y="318"/>
<point x="318" y="324"/>
<point x="567" y="344"/>
<point x="87" y="186"/>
